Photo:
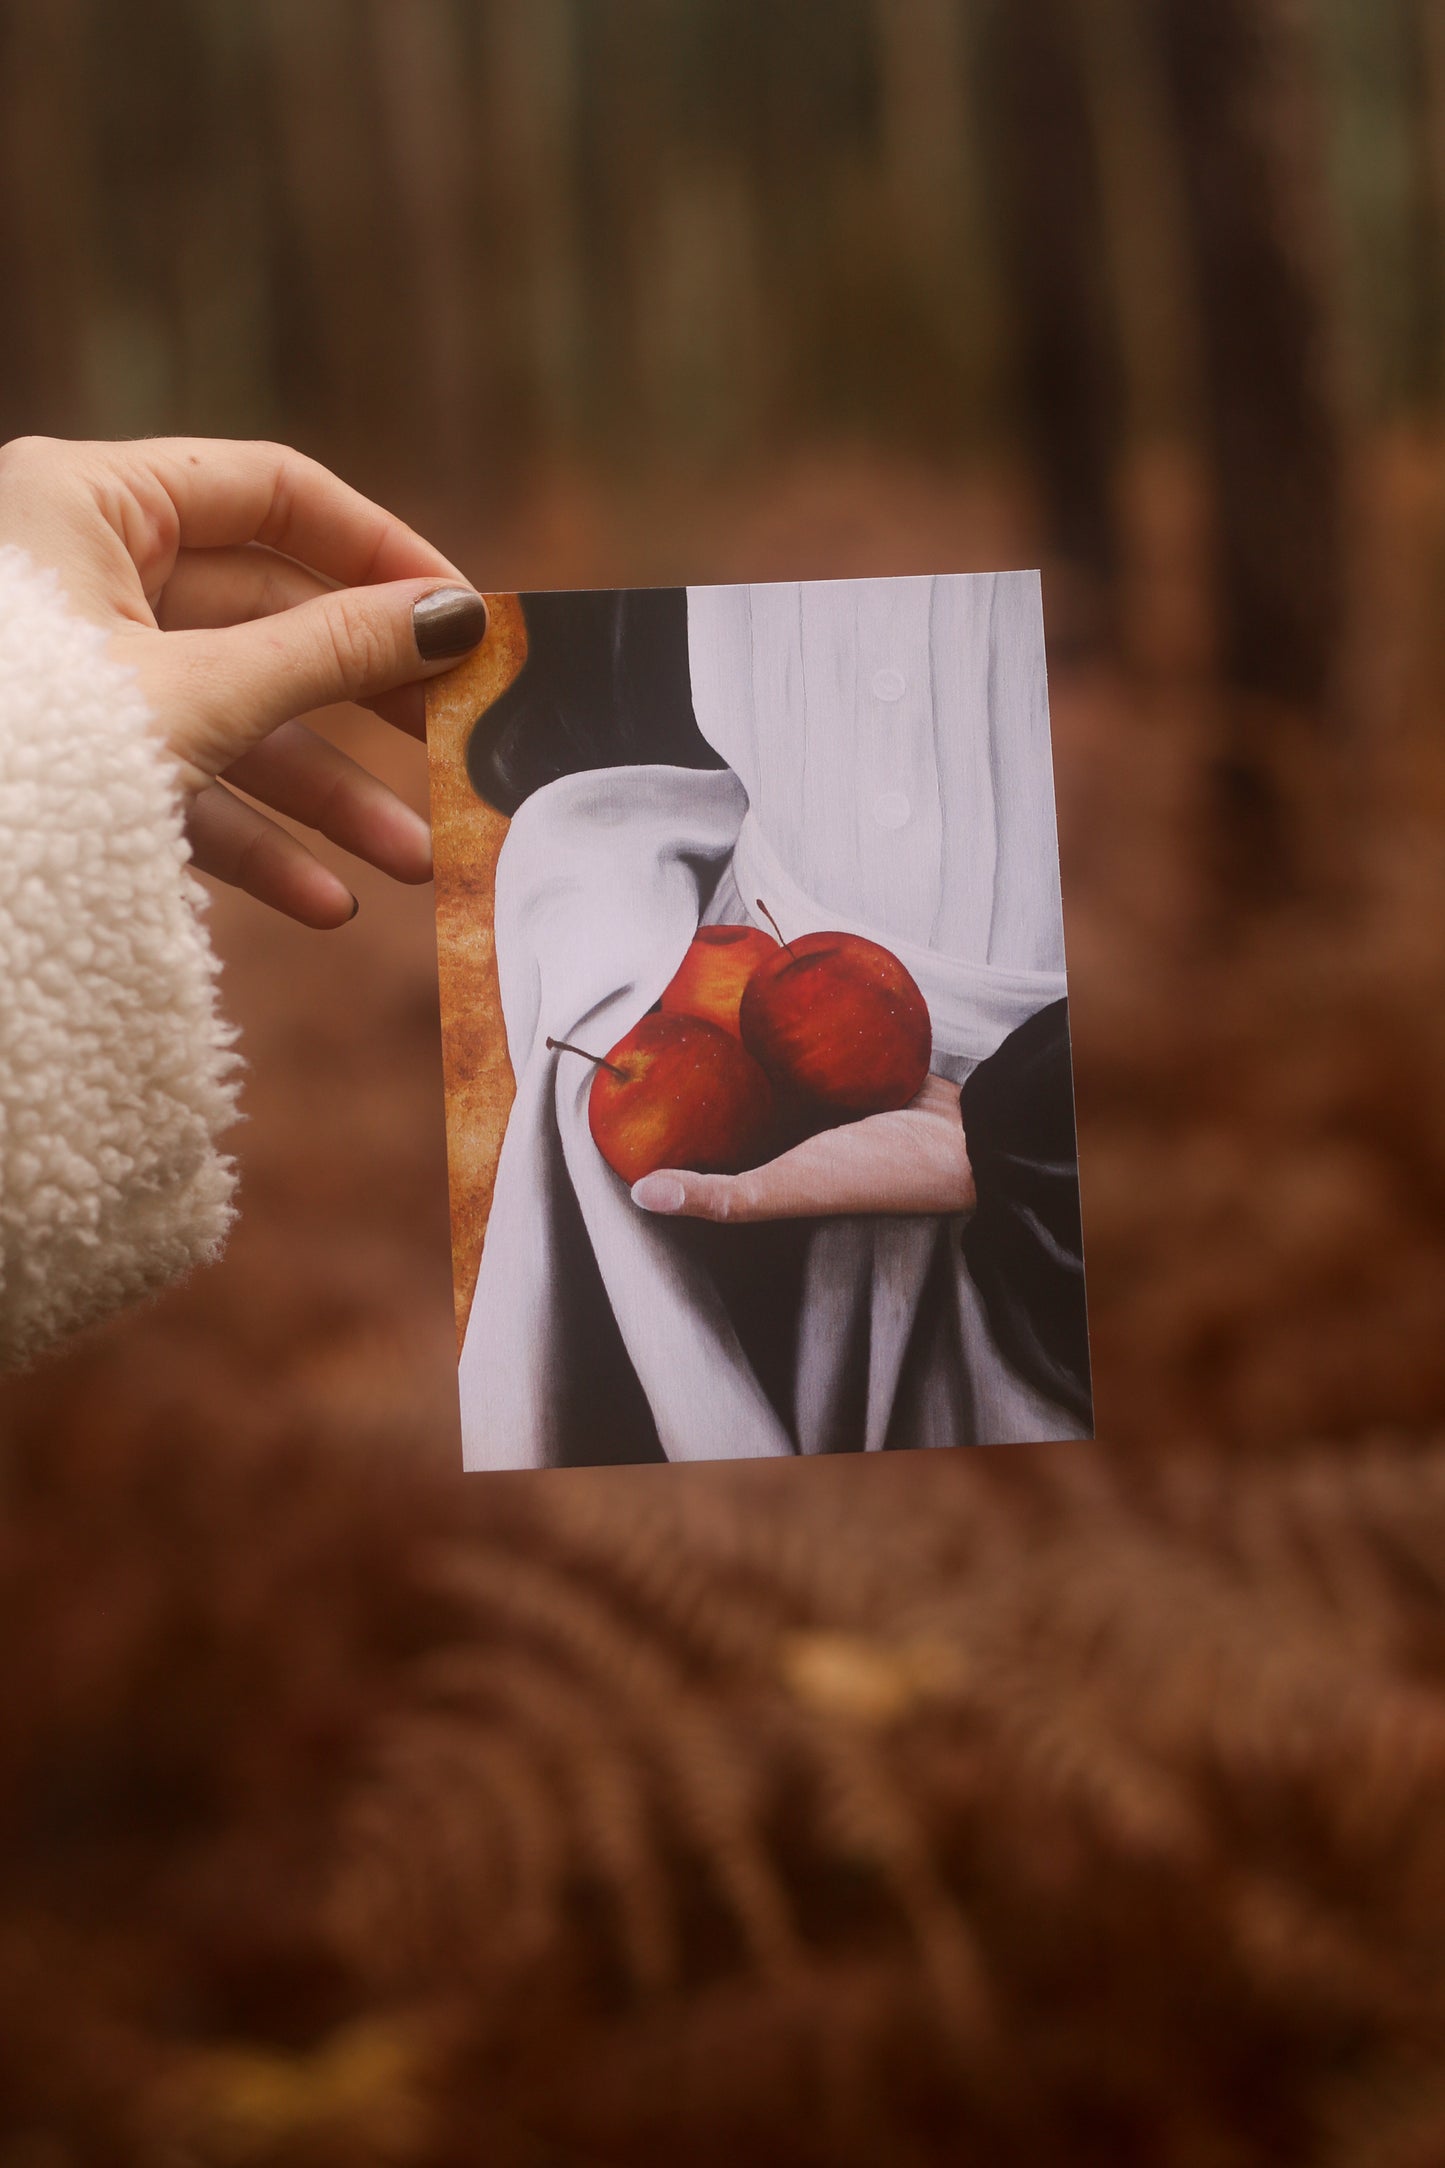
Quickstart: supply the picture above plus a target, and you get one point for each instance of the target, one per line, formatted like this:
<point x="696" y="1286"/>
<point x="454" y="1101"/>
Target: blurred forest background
<point x="1080" y="1804"/>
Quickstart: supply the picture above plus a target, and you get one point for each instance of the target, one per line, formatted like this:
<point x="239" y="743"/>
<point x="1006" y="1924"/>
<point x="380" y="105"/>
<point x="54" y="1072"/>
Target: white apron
<point x="890" y="774"/>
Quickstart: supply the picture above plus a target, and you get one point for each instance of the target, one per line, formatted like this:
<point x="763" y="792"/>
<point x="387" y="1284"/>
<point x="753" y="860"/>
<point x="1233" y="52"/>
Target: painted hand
<point x="914" y="1161"/>
<point x="246" y="585"/>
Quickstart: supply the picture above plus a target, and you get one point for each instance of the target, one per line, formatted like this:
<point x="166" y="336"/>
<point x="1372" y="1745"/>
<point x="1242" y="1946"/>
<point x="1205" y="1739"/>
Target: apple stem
<point x="777" y="929"/>
<point x="565" y="1046"/>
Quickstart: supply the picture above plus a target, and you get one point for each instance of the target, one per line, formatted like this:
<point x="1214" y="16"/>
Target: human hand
<point x="245" y="585"/>
<point x="912" y="1161"/>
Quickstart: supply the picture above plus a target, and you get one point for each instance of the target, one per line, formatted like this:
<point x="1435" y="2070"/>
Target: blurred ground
<point x="1075" y="1804"/>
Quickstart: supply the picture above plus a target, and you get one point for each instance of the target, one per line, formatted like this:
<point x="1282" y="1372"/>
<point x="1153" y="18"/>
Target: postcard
<point x="759" y="1093"/>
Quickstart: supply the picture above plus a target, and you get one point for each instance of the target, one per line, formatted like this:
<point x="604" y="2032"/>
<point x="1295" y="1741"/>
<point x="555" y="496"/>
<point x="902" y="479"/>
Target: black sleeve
<point x="1025" y="1244"/>
<point x="606" y="684"/>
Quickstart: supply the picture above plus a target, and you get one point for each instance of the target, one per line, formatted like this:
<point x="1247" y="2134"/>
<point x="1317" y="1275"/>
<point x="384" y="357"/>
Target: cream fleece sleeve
<point x="116" y="1070"/>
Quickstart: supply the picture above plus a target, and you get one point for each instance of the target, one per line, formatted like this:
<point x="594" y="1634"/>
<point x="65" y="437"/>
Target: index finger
<point x="215" y="493"/>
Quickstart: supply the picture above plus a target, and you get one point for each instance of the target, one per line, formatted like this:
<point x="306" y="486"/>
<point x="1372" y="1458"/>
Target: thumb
<point x="351" y="645"/>
<point x="676" y="1192"/>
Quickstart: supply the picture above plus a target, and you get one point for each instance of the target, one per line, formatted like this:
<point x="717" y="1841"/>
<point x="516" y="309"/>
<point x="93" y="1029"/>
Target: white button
<point x="889" y="685"/>
<point x="892" y="809"/>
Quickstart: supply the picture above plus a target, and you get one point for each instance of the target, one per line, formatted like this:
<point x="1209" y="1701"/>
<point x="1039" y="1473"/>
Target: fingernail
<point x="659" y="1193"/>
<point x="355" y="907"/>
<point x="448" y="622"/>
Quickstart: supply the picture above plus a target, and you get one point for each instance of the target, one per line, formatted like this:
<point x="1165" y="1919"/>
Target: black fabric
<point x="606" y="684"/>
<point x="1025" y="1243"/>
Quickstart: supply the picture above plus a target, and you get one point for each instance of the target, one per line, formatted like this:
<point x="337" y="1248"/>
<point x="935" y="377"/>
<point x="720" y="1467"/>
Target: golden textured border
<point x="466" y="838"/>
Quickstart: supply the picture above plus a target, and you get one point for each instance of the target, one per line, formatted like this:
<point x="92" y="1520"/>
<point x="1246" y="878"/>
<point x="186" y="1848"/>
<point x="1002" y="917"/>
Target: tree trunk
<point x="1054" y="270"/>
<point x="1239" y="78"/>
<point x="1426" y="32"/>
<point x="47" y="251"/>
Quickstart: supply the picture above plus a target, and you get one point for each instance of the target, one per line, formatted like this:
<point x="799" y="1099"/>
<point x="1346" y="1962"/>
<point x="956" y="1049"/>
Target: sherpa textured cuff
<point x="116" y="1070"/>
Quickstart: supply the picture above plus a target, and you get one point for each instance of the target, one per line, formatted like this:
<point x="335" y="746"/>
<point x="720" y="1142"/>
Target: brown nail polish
<point x="447" y="623"/>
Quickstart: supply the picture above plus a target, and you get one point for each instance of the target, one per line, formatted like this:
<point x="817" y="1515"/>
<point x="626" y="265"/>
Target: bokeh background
<point x="1079" y="1804"/>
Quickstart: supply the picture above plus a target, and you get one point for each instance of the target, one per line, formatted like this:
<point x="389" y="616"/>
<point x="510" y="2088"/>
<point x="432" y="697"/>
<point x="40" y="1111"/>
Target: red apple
<point x="839" y="1024"/>
<point x="678" y="1092"/>
<point x="710" y="979"/>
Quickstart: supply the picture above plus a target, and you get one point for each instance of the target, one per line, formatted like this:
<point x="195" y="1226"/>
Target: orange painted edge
<point x="467" y="835"/>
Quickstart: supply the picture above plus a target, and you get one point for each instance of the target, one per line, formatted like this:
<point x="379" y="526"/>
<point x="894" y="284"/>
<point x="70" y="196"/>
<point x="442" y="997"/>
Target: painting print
<point x="759" y="1093"/>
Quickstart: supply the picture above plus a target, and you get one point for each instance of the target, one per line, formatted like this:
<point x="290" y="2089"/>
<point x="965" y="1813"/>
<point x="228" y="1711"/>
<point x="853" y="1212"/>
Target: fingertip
<point x="318" y="898"/>
<point x="418" y="859"/>
<point x="232" y="840"/>
<point x="324" y="913"/>
<point x="399" y="844"/>
<point x="664" y="1193"/>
